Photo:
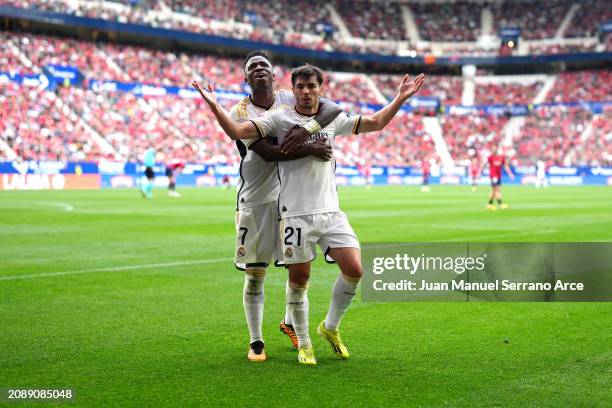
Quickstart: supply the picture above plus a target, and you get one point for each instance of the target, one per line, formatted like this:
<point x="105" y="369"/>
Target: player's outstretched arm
<point x="380" y="119"/>
<point x="272" y="153"/>
<point x="509" y="170"/>
<point x="296" y="137"/>
<point x="235" y="130"/>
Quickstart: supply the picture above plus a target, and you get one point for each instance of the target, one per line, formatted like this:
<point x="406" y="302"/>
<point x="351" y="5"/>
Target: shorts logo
<point x="240" y="252"/>
<point x="288" y="253"/>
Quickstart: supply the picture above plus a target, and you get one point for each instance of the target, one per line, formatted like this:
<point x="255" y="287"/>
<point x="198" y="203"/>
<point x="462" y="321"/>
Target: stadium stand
<point x="589" y="16"/>
<point x="37" y="127"/>
<point x="448" y="89"/>
<point x="466" y="135"/>
<point x="365" y="19"/>
<point x="457" y="21"/>
<point x="535" y="21"/>
<point x="550" y="133"/>
<point x="128" y="122"/>
<point x="276" y="22"/>
<point x="506" y="93"/>
<point x="582" y="86"/>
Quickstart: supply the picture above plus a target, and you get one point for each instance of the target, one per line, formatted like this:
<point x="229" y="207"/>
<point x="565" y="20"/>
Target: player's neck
<point x="307" y="111"/>
<point x="263" y="98"/>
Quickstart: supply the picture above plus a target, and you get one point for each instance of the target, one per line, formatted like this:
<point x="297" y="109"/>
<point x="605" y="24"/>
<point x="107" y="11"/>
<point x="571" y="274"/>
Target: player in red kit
<point x="496" y="162"/>
<point x="171" y="169"/>
<point x="474" y="171"/>
<point x="425" y="170"/>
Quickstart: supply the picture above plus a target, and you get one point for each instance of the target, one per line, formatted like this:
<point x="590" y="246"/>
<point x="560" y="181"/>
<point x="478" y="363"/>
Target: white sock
<point x="288" y="318"/>
<point x="253" y="301"/>
<point x="297" y="303"/>
<point x="342" y="294"/>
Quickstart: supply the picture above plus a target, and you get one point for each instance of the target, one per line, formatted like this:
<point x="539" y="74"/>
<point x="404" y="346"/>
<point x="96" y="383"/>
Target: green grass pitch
<point x="136" y="303"/>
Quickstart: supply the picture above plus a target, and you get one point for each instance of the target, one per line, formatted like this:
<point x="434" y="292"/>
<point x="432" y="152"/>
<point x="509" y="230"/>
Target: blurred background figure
<point x="148" y="160"/>
<point x="172" y="169"/>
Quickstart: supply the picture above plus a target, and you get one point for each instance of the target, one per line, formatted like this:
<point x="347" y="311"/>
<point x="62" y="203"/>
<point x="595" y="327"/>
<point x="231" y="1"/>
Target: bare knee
<point x="353" y="270"/>
<point x="299" y="274"/>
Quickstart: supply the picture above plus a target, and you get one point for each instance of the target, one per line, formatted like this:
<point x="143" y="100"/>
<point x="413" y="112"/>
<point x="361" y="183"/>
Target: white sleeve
<point x="237" y="118"/>
<point x="347" y="124"/>
<point x="267" y="124"/>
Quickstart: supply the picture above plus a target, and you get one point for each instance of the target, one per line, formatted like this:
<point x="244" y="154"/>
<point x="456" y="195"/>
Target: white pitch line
<point x="64" y="206"/>
<point x="114" y="269"/>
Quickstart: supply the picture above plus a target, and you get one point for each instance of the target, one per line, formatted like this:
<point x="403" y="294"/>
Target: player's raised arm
<point x="296" y="137"/>
<point x="380" y="119"/>
<point x="235" y="130"/>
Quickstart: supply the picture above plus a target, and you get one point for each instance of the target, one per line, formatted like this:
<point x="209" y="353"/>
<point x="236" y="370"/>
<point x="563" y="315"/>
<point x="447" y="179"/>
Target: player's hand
<point x="409" y="87"/>
<point x="321" y="150"/>
<point x="208" y="95"/>
<point x="294" y="139"/>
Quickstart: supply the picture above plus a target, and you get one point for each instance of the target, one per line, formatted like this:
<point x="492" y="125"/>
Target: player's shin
<point x="342" y="295"/>
<point x="253" y="301"/>
<point x="297" y="302"/>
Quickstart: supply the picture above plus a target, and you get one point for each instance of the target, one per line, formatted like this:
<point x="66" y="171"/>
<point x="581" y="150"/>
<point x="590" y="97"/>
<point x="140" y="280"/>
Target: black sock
<point x="499" y="201"/>
<point x="490" y="201"/>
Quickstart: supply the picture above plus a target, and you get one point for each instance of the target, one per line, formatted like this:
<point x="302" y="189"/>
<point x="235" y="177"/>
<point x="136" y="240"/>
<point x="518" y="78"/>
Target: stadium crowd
<point x="35" y="126"/>
<point x="583" y="86"/>
<point x="506" y="93"/>
<point x="128" y="122"/>
<point x="457" y="21"/>
<point x="308" y="24"/>
<point x="550" y="134"/>
<point x="468" y="135"/>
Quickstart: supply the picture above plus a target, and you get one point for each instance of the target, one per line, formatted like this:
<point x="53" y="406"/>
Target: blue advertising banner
<point x="65" y="75"/>
<point x="120" y="174"/>
<point x="41" y="81"/>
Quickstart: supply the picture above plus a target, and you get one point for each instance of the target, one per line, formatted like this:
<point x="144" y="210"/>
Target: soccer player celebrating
<point x="257" y="240"/>
<point x="496" y="161"/>
<point x="308" y="201"/>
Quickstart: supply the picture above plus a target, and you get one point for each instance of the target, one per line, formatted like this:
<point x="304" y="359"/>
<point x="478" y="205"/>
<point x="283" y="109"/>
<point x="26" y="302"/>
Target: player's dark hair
<point x="305" y="72"/>
<point x="256" y="53"/>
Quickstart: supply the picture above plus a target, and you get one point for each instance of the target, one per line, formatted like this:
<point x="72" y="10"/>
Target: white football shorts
<point x="257" y="240"/>
<point x="300" y="235"/>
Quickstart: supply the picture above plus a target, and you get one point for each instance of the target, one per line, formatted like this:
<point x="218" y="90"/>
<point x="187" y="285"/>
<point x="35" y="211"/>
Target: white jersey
<point x="307" y="185"/>
<point x="258" y="178"/>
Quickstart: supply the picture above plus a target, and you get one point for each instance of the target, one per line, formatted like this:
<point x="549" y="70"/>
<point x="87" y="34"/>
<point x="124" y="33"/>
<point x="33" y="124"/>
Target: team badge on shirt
<point x="288" y="253"/>
<point x="240" y="252"/>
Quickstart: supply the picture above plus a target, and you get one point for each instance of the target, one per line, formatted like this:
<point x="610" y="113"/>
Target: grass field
<point x="136" y="303"/>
